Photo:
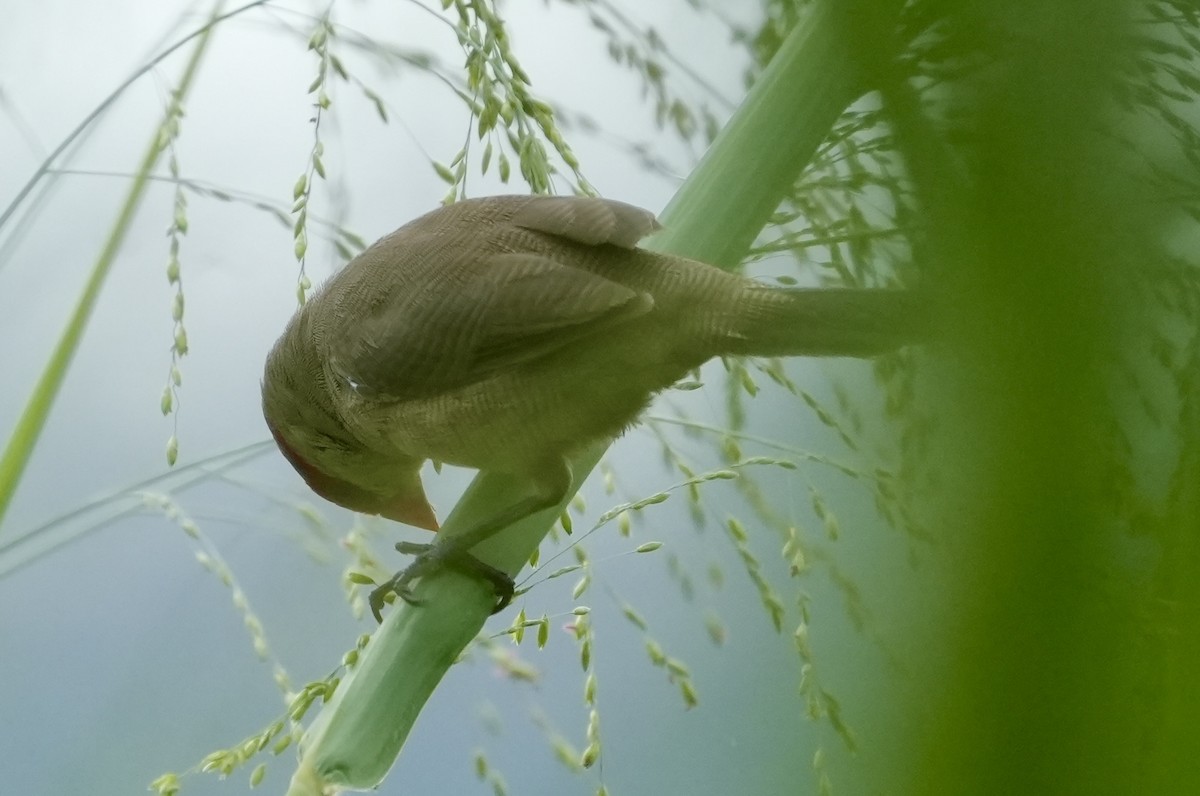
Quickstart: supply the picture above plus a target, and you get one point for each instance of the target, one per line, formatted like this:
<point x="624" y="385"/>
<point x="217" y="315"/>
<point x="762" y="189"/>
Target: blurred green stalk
<point x="1070" y="661"/>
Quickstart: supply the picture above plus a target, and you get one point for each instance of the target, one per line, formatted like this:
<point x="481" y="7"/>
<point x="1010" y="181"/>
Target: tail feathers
<point x="826" y="322"/>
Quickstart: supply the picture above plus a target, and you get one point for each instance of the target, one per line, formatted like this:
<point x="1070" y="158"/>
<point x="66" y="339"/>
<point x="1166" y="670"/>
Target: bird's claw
<point x="395" y="585"/>
<point x="429" y="559"/>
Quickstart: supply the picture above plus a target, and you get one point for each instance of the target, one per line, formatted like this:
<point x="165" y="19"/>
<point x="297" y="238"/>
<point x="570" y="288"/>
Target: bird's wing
<point x="586" y="220"/>
<point x="496" y="311"/>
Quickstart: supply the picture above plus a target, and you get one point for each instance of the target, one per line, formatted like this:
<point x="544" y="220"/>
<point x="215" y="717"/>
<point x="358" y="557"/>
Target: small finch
<point x="506" y="333"/>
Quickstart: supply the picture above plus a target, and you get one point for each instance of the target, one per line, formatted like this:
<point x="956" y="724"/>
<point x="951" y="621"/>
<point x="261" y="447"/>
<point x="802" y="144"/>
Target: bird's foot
<point x="429" y="559"/>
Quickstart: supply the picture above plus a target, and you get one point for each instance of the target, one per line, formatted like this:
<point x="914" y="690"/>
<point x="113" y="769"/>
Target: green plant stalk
<point x="714" y="217"/>
<point x="33" y="419"/>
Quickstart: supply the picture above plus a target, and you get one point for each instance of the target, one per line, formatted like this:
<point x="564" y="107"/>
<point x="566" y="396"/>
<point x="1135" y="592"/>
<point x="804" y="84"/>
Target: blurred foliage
<point x="1036" y="163"/>
<point x="1036" y="168"/>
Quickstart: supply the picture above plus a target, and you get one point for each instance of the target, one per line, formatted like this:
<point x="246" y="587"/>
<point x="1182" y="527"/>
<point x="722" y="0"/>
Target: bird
<point x="505" y="333"/>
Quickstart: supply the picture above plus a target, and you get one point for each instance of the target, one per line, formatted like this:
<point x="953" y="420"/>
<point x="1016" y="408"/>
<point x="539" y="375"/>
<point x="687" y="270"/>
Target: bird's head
<point x="312" y="437"/>
<point x="397" y="494"/>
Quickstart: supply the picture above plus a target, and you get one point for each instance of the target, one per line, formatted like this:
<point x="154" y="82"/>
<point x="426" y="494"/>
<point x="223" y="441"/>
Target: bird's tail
<point x="830" y="322"/>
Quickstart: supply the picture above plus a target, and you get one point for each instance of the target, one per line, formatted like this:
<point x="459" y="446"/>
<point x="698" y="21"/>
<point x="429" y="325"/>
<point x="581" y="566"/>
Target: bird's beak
<point x="411" y="507"/>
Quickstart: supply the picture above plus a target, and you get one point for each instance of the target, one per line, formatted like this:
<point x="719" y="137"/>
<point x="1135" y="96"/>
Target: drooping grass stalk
<point x="47" y="166"/>
<point x="29" y="426"/>
<point x="714" y="217"/>
<point x="41" y="540"/>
